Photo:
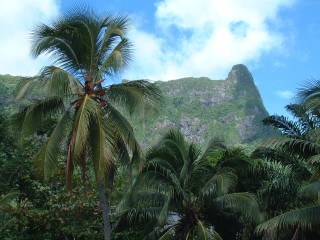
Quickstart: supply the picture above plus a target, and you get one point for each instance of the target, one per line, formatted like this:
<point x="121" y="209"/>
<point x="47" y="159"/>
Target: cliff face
<point x="202" y="108"/>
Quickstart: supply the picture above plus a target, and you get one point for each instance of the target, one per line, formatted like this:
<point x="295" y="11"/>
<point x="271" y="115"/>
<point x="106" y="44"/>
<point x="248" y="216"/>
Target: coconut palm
<point x="300" y="141"/>
<point x="87" y="48"/>
<point x="299" y="136"/>
<point x="300" y="223"/>
<point x="179" y="195"/>
<point x="277" y="176"/>
<point x="305" y="121"/>
<point x="308" y="95"/>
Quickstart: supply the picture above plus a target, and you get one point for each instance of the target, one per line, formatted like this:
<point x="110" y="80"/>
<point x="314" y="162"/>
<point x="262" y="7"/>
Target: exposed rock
<point x="202" y="108"/>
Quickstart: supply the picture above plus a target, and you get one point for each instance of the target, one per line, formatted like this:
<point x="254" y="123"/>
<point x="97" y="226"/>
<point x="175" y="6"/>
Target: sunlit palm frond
<point x="117" y="59"/>
<point x="287" y="127"/>
<point x="83" y="119"/>
<point x="278" y="173"/>
<point x="308" y="119"/>
<point x="58" y="40"/>
<point x="315" y="159"/>
<point x="234" y="158"/>
<point x="26" y="86"/>
<point x="309" y="93"/>
<point x="135" y="95"/>
<point x="303" y="147"/>
<point x="168" y="234"/>
<point x="60" y="83"/>
<point x="117" y="27"/>
<point x="175" y="142"/>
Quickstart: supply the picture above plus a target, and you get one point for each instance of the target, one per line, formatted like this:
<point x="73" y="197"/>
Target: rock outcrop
<point x="202" y="108"/>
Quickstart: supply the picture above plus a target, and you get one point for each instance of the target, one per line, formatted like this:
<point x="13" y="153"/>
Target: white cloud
<point x="17" y="19"/>
<point x="192" y="38"/>
<point x="285" y="94"/>
<point x="206" y="37"/>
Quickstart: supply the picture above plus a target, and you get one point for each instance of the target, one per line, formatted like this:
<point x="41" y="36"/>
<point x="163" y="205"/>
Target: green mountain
<point x="203" y="108"/>
<point x="8" y="85"/>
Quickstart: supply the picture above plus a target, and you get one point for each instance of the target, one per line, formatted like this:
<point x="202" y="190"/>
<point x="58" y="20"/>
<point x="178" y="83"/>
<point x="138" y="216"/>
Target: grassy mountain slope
<point x="202" y="108"/>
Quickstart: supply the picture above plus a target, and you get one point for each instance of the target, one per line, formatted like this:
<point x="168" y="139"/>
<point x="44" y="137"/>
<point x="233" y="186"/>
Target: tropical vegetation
<point x="90" y="132"/>
<point x="71" y="167"/>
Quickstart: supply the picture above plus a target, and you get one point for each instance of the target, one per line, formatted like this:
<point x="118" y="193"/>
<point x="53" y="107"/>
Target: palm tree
<point x="308" y="95"/>
<point x="87" y="48"/>
<point x="277" y="176"/>
<point x="179" y="195"/>
<point x="299" y="141"/>
<point x="302" y="222"/>
<point x="299" y="136"/>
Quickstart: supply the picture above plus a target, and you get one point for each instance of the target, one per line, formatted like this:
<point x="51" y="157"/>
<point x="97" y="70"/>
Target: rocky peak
<point x="240" y="74"/>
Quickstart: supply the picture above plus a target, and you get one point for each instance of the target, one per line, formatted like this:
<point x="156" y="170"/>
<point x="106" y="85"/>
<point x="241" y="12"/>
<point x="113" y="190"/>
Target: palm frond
<point x="309" y="93"/>
<point x="311" y="189"/>
<point x="168" y="151"/>
<point x="46" y="160"/>
<point x="234" y="158"/>
<point x="26" y="86"/>
<point x="306" y="218"/>
<point x="57" y="40"/>
<point x="116" y="27"/>
<point x="244" y="204"/>
<point x="168" y="234"/>
<point x="122" y="127"/>
<point x="135" y="95"/>
<point x="287" y="127"/>
<point x="303" y="147"/>
<point x="60" y="83"/>
<point x="117" y="59"/>
<point x="215" y="144"/>
<point x="205" y="233"/>
<point x="30" y="117"/>
<point x="104" y="147"/>
<point x="83" y="119"/>
<point x="221" y="183"/>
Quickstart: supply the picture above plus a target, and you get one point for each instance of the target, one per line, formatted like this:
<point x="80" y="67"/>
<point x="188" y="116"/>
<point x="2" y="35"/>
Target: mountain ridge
<point x="200" y="107"/>
<point x="203" y="108"/>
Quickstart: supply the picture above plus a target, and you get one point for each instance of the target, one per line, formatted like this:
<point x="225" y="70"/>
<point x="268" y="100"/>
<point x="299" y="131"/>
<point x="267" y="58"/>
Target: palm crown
<point x="179" y="195"/>
<point x="86" y="49"/>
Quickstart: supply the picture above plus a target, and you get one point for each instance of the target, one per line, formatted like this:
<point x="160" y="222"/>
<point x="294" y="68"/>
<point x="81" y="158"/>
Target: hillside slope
<point x="202" y="108"/>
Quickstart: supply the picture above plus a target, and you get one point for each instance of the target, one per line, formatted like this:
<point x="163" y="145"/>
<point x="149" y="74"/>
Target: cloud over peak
<point x="206" y="37"/>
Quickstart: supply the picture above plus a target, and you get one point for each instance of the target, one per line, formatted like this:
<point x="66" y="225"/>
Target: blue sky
<point x="278" y="40"/>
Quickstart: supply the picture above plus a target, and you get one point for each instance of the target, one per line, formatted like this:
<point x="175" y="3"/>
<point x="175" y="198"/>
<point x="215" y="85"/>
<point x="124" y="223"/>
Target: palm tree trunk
<point x="105" y="211"/>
